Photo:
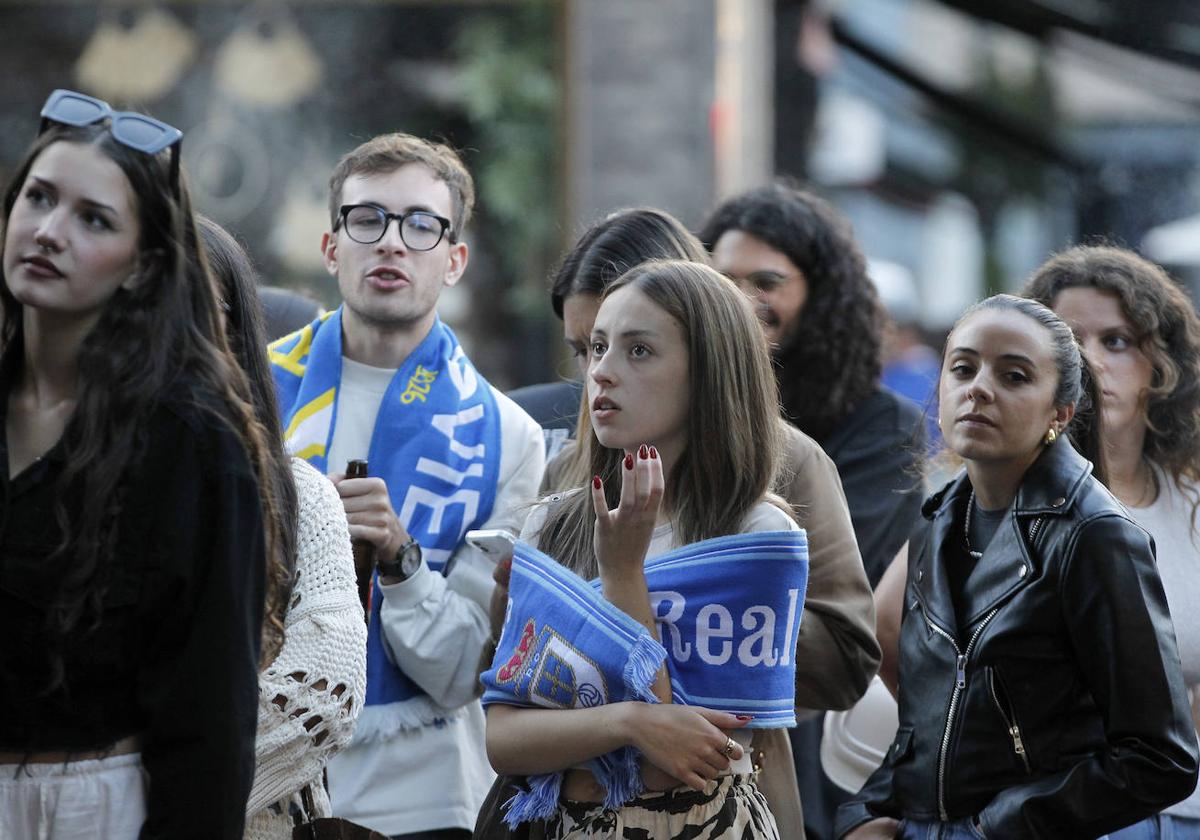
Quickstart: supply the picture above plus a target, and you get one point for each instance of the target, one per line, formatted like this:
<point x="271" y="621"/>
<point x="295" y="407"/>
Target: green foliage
<point x="511" y="95"/>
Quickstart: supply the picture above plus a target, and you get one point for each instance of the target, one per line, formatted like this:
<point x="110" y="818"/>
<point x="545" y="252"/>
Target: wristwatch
<point x="405" y="564"/>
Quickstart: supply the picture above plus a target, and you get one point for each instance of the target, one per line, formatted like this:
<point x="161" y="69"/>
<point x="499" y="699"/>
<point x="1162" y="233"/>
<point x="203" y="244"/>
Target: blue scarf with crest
<point x="728" y="611"/>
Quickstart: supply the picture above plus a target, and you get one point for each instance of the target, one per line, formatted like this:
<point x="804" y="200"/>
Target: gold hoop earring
<point x="1051" y="436"/>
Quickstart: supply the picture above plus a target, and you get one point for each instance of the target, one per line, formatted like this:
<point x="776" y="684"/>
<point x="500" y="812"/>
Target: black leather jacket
<point x="1055" y="706"/>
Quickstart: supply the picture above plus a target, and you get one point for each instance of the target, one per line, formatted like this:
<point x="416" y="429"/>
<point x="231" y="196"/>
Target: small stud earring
<point x="1051" y="436"/>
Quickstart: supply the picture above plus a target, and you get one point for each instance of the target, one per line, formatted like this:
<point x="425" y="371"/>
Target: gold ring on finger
<point x="729" y="745"/>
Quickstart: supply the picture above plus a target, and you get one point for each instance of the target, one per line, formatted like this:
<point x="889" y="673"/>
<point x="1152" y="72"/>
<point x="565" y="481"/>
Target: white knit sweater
<point x="311" y="694"/>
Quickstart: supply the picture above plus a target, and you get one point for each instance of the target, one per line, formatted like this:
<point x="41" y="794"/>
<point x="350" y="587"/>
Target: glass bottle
<point x="364" y="551"/>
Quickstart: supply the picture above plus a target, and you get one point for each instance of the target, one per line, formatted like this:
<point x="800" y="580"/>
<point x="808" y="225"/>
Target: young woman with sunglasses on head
<point x="139" y="503"/>
<point x="1040" y="688"/>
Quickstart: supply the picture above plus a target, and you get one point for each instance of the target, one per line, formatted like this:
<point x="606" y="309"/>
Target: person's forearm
<point x="889" y="614"/>
<point x="436" y="636"/>
<point x="524" y="741"/>
<point x="629" y="593"/>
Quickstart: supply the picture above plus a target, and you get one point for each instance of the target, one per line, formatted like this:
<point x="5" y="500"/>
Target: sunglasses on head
<point x="137" y="131"/>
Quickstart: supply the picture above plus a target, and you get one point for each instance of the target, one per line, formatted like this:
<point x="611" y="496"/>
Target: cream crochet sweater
<point x="311" y="694"/>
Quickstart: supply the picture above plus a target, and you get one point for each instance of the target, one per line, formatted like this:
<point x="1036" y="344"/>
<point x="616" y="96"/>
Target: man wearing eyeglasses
<point x="382" y="379"/>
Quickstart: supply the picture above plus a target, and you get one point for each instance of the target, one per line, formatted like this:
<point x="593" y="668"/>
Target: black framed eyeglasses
<point x="420" y="230"/>
<point x="137" y="131"/>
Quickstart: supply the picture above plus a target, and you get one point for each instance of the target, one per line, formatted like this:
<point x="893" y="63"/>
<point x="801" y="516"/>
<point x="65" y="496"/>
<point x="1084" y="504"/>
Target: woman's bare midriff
<point x="580" y="785"/>
<point x="125" y="746"/>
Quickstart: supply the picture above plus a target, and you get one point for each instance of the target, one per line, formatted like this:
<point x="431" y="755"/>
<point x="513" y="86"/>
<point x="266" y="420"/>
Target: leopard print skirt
<point x="730" y="808"/>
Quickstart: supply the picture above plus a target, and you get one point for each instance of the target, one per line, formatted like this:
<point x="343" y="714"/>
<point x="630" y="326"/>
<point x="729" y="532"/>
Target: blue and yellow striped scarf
<point x="437" y="446"/>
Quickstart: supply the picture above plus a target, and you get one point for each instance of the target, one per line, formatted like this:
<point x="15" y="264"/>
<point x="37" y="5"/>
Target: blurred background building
<point x="966" y="139"/>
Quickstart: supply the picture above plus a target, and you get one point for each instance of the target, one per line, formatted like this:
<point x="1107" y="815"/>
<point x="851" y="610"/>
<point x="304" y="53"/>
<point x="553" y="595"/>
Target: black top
<point x="961" y="564"/>
<point x="554" y="405"/>
<point x="877" y="450"/>
<point x="174" y="658"/>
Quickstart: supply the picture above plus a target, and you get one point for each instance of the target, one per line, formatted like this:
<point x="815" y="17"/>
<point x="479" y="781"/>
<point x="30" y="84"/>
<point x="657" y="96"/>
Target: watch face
<point x="410" y="559"/>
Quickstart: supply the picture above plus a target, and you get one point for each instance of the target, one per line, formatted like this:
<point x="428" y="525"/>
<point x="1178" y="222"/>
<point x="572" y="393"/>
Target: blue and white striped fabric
<point x="728" y="613"/>
<point x="565" y="647"/>
<point x="437" y="446"/>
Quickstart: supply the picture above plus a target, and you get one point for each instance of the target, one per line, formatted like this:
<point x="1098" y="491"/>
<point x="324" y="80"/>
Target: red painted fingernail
<point x="653" y="452"/>
<point x="744" y="717"/>
<point x="596" y="481"/>
<point x="643" y="452"/>
<point x="628" y="462"/>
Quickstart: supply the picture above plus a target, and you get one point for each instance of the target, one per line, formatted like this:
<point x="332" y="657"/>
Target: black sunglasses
<point x="137" y="131"/>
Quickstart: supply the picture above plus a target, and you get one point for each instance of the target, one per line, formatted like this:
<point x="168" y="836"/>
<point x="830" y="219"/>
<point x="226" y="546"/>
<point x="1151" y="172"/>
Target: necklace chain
<point x="975" y="555"/>
<point x="1149" y="486"/>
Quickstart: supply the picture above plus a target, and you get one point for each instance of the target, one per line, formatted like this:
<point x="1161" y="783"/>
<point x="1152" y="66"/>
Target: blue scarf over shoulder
<point x="437" y="446"/>
<point x="728" y="612"/>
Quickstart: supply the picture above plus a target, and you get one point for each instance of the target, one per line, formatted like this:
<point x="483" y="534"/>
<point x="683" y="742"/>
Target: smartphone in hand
<point x="495" y="543"/>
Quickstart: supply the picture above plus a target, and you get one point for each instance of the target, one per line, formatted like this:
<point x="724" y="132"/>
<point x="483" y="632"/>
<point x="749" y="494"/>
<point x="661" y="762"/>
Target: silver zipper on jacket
<point x="1033" y="529"/>
<point x="960" y="682"/>
<point x="1014" y="731"/>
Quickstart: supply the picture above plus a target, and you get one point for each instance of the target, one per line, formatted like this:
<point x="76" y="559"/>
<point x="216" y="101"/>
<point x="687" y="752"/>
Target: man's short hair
<point x="388" y="152"/>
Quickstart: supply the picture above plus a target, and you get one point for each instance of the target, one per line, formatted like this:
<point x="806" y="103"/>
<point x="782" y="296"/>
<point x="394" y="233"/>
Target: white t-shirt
<point x="437" y="776"/>
<point x="764" y="516"/>
<point x="359" y="396"/>
<point x="1177" y="547"/>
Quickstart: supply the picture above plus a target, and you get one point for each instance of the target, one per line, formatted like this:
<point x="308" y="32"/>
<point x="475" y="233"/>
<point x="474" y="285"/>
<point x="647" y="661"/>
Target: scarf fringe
<point x="622" y="774"/>
<point x="382" y="722"/>
<point x="540" y="802"/>
<point x="644" y="661"/>
<point x="624" y="778"/>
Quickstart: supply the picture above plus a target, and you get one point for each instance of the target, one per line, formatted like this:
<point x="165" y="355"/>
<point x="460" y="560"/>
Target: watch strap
<point x="396" y="566"/>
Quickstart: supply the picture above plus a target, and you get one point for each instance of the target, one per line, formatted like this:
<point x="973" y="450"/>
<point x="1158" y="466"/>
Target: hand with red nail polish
<point x="622" y="535"/>
<point x="684" y="743"/>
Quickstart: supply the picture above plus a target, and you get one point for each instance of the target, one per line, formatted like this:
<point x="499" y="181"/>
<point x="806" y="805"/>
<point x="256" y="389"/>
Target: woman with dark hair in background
<point x="1042" y="695"/>
<point x="606" y="250"/>
<point x="1141" y="337"/>
<point x="311" y="693"/>
<point x="796" y="256"/>
<point x="141" y="507"/>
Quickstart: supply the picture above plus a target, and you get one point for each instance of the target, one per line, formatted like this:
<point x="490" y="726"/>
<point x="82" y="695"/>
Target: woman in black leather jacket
<point x="1040" y="689"/>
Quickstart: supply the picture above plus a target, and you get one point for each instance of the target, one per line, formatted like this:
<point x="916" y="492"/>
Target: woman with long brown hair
<point x="311" y="692"/>
<point x="837" y="645"/>
<point x="682" y="434"/>
<point x="1141" y="336"/>
<point x="140" y="501"/>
